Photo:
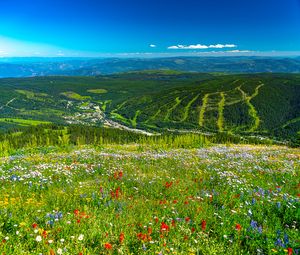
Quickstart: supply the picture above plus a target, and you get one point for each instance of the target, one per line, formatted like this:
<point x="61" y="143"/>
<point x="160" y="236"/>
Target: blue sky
<point x="149" y="27"/>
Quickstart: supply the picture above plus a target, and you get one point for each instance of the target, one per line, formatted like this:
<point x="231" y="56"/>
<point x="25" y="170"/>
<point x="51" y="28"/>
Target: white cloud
<point x="221" y="46"/>
<point x="152" y="46"/>
<point x="173" y="47"/>
<point x="60" y="53"/>
<point x="201" y="46"/>
<point x="188" y="47"/>
<point x="238" y="51"/>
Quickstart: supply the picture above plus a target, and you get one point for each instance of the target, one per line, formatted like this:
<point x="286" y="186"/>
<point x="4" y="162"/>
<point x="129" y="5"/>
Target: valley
<point x="262" y="104"/>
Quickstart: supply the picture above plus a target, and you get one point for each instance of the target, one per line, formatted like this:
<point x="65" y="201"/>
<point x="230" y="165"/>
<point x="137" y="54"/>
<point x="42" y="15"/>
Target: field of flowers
<point x="132" y="199"/>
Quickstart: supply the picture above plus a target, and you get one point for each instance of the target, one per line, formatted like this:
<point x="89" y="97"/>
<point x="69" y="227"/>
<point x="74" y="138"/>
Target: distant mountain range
<point x="28" y="67"/>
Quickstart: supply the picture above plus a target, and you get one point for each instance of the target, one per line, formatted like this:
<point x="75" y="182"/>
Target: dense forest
<point x="64" y="137"/>
<point x="245" y="105"/>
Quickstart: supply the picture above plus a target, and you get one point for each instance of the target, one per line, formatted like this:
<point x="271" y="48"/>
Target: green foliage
<point x="136" y="199"/>
<point x="260" y="104"/>
<point x="47" y="135"/>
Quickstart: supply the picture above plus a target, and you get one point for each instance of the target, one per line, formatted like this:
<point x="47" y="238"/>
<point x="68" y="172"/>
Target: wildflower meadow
<point x="132" y="199"/>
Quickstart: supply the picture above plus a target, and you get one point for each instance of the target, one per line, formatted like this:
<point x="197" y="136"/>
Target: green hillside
<point x="252" y="104"/>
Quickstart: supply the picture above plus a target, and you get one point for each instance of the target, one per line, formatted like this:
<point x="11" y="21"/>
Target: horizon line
<point x="165" y="55"/>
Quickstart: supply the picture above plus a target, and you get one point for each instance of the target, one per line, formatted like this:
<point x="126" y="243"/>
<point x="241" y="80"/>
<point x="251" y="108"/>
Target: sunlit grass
<point x="135" y="199"/>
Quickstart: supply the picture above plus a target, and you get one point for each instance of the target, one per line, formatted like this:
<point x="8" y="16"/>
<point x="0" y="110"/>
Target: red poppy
<point x="116" y="193"/>
<point x="290" y="251"/>
<point x="143" y="237"/>
<point x="238" y="227"/>
<point x="187" y="219"/>
<point x="149" y="230"/>
<point x="121" y="237"/>
<point x="76" y="211"/>
<point x="203" y="225"/>
<point x="168" y="184"/>
<point x="118" y="175"/>
<point x="34" y="225"/>
<point x="173" y="223"/>
<point x="84" y="215"/>
<point x="164" y="227"/>
<point x="44" y="234"/>
<point x="107" y="246"/>
<point x="163" y="202"/>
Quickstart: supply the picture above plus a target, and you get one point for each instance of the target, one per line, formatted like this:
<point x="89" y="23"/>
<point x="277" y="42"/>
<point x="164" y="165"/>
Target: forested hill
<point x="248" y="104"/>
<point x="27" y="67"/>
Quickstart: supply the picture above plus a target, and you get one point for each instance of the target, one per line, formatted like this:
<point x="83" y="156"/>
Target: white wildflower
<point x="38" y="238"/>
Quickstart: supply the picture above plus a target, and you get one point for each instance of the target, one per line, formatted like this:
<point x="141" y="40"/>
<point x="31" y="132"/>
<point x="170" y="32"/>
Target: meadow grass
<point x="75" y="96"/>
<point x="24" y="122"/>
<point x="138" y="199"/>
<point x="97" y="91"/>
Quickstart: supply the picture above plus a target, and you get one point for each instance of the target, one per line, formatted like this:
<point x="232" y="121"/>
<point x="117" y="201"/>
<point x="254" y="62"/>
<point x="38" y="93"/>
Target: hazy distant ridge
<point x="27" y="67"/>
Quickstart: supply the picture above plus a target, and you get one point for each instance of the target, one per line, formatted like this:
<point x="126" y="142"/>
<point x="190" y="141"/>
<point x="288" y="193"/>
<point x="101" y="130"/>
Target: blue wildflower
<point x="279" y="242"/>
<point x="253" y="224"/>
<point x="50" y="222"/>
<point x="259" y="229"/>
<point x="286" y="238"/>
<point x="278" y="233"/>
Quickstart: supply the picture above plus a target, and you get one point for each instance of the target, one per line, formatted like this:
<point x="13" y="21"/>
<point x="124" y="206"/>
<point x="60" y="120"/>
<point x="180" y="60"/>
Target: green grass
<point x="104" y="106"/>
<point x="154" y="116"/>
<point x="291" y="122"/>
<point x="23" y="122"/>
<point x="252" y="111"/>
<point x="171" y="109"/>
<point x="134" y="120"/>
<point x="121" y="118"/>
<point x="97" y="91"/>
<point x="220" y="121"/>
<point x="119" y="107"/>
<point x="33" y="95"/>
<point x="202" y="110"/>
<point x="136" y="199"/>
<point x="187" y="108"/>
<point x="28" y="94"/>
<point x="75" y="96"/>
